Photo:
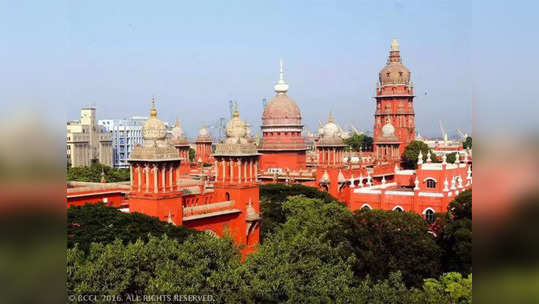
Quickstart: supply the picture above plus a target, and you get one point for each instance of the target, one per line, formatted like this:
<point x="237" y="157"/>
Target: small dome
<point x="204" y="135"/>
<point x="330" y="134"/>
<point x="388" y="130"/>
<point x="154" y="129"/>
<point x="236" y="130"/>
<point x="177" y="131"/>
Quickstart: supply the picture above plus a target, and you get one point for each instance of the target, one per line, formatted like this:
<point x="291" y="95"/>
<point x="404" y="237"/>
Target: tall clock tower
<point x="394" y="119"/>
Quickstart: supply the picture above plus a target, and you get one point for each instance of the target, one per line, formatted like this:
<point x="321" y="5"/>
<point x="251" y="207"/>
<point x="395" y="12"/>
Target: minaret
<point x="394" y="103"/>
<point x="203" y="146"/>
<point x="180" y="142"/>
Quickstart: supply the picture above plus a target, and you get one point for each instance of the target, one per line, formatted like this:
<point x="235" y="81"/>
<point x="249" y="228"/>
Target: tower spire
<point x="281" y="87"/>
<point x="153" y="111"/>
<point x="394" y="45"/>
<point x="330" y="118"/>
<point x="394" y="53"/>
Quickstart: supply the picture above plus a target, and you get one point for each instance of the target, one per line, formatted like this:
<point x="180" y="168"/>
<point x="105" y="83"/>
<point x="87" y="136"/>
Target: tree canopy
<point x="272" y="196"/>
<point x="411" y="153"/>
<point x="467" y="143"/>
<point x="93" y="173"/>
<point x="454" y="234"/>
<point x="102" y="224"/>
<point x="320" y="253"/>
<point x="359" y="141"/>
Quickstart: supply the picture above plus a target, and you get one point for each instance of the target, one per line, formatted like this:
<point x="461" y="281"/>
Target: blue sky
<point x="195" y="56"/>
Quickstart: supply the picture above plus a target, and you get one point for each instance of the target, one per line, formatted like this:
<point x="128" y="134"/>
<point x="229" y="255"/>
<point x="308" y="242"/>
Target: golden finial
<point x="153" y="112"/>
<point x="236" y="113"/>
<point x="395" y="45"/>
<point x="330" y="119"/>
<point x="177" y="124"/>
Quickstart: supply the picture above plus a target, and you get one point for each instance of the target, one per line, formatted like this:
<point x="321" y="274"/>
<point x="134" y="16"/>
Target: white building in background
<point x="87" y="142"/>
<point x="126" y="134"/>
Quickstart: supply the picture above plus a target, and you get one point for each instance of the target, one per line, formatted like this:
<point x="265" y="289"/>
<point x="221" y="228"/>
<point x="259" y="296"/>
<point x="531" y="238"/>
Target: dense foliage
<point x="192" y="153"/>
<point x="359" y="142"/>
<point x="101" y="224"/>
<point x="387" y="241"/>
<point x="320" y="252"/>
<point x="272" y="196"/>
<point x="411" y="153"/>
<point x="467" y="143"/>
<point x="454" y="234"/>
<point x="93" y="173"/>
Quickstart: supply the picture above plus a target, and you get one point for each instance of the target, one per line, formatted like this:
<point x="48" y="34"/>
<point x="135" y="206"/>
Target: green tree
<point x="467" y="143"/>
<point x="94" y="173"/>
<point x="101" y="224"/>
<point x="298" y="263"/>
<point x="387" y="241"/>
<point x="411" y="153"/>
<point x="450" y="288"/>
<point x="451" y="157"/>
<point x="192" y="155"/>
<point x="201" y="265"/>
<point x="359" y="141"/>
<point x="454" y="234"/>
<point x="272" y="196"/>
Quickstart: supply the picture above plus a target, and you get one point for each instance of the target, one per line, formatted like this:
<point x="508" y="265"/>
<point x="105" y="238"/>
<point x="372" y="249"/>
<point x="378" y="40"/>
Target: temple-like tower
<point x="203" y="146"/>
<point x="236" y="165"/>
<point x="282" y="145"/>
<point x="394" y="123"/>
<point x="180" y="142"/>
<point x="330" y="158"/>
<point x="155" y="173"/>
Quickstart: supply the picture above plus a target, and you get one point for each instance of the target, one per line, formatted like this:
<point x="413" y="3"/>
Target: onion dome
<point x="204" y="135"/>
<point x="281" y="110"/>
<point x="237" y="142"/>
<point x="155" y="145"/>
<point x="236" y="130"/>
<point x="178" y="137"/>
<point x="394" y="72"/>
<point x="153" y="129"/>
<point x="330" y="134"/>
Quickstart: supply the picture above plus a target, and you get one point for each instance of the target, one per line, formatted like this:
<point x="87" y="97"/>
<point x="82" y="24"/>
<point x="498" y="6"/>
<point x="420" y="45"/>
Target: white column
<point x="224" y="170"/>
<point x="147" y="177"/>
<point x="245" y="172"/>
<point x="251" y="170"/>
<point x="170" y="178"/>
<point x="155" y="179"/>
<point x="231" y="164"/>
<point x="216" y="168"/>
<point x="238" y="164"/>
<point x="163" y="177"/>
<point x="256" y="171"/>
<point x="139" y="179"/>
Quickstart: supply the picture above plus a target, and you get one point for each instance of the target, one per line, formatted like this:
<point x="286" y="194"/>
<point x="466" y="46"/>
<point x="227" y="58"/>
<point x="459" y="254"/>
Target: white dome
<point x="203" y="132"/>
<point x="154" y="129"/>
<point x="329" y="130"/>
<point x="177" y="131"/>
<point x="236" y="130"/>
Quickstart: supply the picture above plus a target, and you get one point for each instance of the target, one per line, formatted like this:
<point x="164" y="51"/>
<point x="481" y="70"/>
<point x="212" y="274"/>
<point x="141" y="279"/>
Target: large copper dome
<point x="281" y="110"/>
<point x="394" y="72"/>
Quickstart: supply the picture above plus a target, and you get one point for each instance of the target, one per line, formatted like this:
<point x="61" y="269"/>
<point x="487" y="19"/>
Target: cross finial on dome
<point x="281" y="86"/>
<point x="395" y="45"/>
<point x="153" y="111"/>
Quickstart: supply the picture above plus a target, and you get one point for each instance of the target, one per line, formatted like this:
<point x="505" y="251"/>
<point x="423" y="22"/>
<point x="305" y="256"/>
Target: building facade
<point x="87" y="142"/>
<point x="126" y="134"/>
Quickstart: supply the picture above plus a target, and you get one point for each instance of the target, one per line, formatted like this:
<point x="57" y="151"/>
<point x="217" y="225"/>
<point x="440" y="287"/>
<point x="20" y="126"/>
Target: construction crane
<point x="462" y="135"/>
<point x="444" y="134"/>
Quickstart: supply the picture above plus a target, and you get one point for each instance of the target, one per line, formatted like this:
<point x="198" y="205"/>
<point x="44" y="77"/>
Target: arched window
<point x="227" y="196"/>
<point x="398" y="209"/>
<point x="366" y="207"/>
<point x="431" y="183"/>
<point x="429" y="215"/>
